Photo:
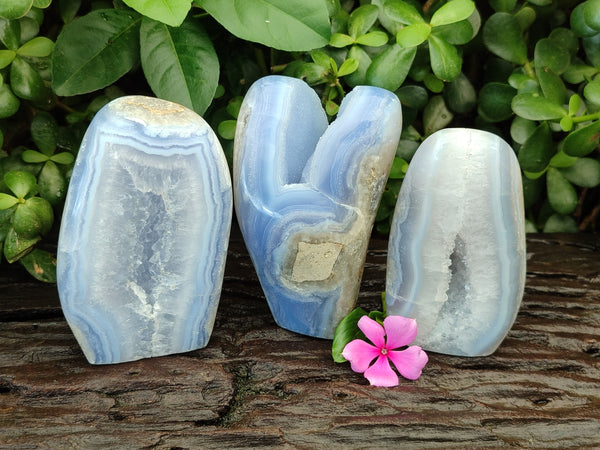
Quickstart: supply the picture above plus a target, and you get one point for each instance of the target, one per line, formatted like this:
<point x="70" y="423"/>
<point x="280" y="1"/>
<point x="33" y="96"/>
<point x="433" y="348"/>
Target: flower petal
<point x="409" y="362"/>
<point x="373" y="331"/>
<point x="400" y="331"/>
<point x="381" y="374"/>
<point x="360" y="354"/>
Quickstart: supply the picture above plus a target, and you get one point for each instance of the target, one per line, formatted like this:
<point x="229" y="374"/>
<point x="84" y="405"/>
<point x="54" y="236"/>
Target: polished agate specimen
<point x="456" y="259"/>
<point x="306" y="194"/>
<point x="144" y="233"/>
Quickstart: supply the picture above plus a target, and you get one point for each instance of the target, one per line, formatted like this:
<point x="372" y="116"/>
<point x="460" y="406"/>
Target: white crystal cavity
<point x="306" y="194"/>
<point x="456" y="259"/>
<point x="144" y="233"/>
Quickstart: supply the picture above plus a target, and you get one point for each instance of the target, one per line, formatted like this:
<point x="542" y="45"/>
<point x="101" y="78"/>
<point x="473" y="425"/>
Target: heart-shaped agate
<point x="306" y="194"/>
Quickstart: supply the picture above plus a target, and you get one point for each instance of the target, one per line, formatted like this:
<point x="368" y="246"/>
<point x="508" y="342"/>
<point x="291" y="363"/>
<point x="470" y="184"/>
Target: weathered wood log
<point x="259" y="385"/>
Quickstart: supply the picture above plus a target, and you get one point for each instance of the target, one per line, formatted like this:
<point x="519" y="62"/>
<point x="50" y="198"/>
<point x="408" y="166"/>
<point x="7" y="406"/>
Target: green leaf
<point x="413" y="96"/>
<point x="579" y="24"/>
<point x="561" y="160"/>
<point x="44" y="131"/>
<point x="340" y="40"/>
<point x="525" y="17"/>
<point x="33" y="218"/>
<point x="346" y="332"/>
<point x="583" y="140"/>
<point x="41" y="265"/>
<point x="34" y="157"/>
<point x="26" y="82"/>
<point x="52" y="183"/>
<point x="64" y="158"/>
<point x="188" y="72"/>
<point x="558" y="223"/>
<point x="552" y="86"/>
<point x="574" y="104"/>
<point x="15" y="246"/>
<point x="171" y="12"/>
<point x="458" y="33"/>
<point x="503" y="36"/>
<point x="453" y="11"/>
<point x="95" y="50"/>
<point x="321" y="58"/>
<point x="20" y="183"/>
<point x="550" y="56"/>
<point x="41" y="3"/>
<point x="68" y="9"/>
<point x="591" y="14"/>
<point x="7" y="201"/>
<point x="291" y="25"/>
<point x="413" y="35"/>
<point x="362" y="19"/>
<point x="390" y="68"/>
<point x="402" y="12"/>
<point x="495" y="101"/>
<point x="13" y="9"/>
<point x="521" y="129"/>
<point x="433" y="83"/>
<point x="592" y="92"/>
<point x="436" y="115"/>
<point x="536" y="152"/>
<point x="585" y="172"/>
<point x="6" y="57"/>
<point x="503" y="5"/>
<point x="226" y="129"/>
<point x="9" y="103"/>
<point x="460" y="95"/>
<point x="331" y="108"/>
<point x="357" y="77"/>
<point x="347" y="67"/>
<point x="373" y="39"/>
<point x="10" y="33"/>
<point x="38" y="47"/>
<point x="399" y="168"/>
<point x="445" y="60"/>
<point x="535" y="107"/>
<point x="591" y="45"/>
<point x="561" y="194"/>
<point x="566" y="123"/>
<point x="578" y="73"/>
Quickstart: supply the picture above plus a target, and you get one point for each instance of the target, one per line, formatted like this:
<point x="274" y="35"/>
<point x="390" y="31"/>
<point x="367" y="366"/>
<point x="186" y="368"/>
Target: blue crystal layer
<point x="456" y="259"/>
<point x="144" y="233"/>
<point x="306" y="194"/>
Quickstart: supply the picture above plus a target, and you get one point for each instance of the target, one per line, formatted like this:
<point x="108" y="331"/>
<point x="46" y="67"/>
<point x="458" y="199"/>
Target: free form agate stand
<point x="256" y="384"/>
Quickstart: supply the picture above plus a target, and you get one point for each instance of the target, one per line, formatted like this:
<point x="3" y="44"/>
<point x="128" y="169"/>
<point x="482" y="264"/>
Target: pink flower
<point x="400" y="331"/>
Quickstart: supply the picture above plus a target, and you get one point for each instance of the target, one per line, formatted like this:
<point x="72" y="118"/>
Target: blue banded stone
<point x="456" y="259"/>
<point x="306" y="194"/>
<point x="144" y="234"/>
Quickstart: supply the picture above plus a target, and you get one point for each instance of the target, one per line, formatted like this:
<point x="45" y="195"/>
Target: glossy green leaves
<point x="95" y="50"/>
<point x="446" y="27"/>
<point x="170" y="12"/>
<point x="503" y="36"/>
<point x="291" y="25"/>
<point x="188" y="72"/>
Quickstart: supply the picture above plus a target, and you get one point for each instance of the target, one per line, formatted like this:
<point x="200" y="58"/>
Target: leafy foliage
<point x="528" y="71"/>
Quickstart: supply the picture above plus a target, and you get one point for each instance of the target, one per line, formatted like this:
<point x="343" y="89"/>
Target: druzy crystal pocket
<point x="144" y="233"/>
<point x="456" y="259"/>
<point x="307" y="192"/>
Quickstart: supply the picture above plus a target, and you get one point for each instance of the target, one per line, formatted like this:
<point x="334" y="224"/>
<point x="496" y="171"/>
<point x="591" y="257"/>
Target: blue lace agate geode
<point x="144" y="233"/>
<point x="306" y="194"/>
<point x="456" y="260"/>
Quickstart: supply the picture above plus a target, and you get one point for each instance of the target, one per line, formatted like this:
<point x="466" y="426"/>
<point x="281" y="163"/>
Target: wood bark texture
<point x="257" y="385"/>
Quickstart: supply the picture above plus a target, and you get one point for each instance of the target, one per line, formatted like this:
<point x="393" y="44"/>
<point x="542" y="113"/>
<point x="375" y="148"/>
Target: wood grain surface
<point x="257" y="385"/>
